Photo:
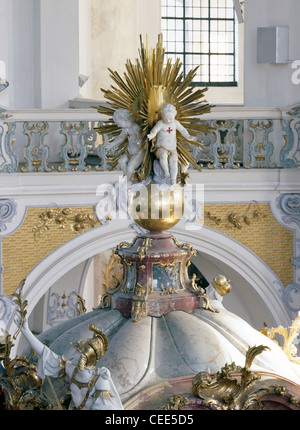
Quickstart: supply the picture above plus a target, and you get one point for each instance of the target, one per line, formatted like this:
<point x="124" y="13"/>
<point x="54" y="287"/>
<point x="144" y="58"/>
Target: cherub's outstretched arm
<point x="184" y="132"/>
<point x="120" y="139"/>
<point x="155" y="130"/>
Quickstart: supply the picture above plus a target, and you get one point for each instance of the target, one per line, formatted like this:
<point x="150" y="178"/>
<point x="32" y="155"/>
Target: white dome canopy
<point x="178" y="344"/>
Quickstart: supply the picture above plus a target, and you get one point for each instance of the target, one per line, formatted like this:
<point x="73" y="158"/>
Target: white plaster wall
<point x="39" y="46"/>
<point x="242" y="300"/>
<point x="16" y="35"/>
<point x="41" y="41"/>
<point x="115" y="28"/>
<point x="270" y="84"/>
<point x="85" y="42"/>
<point x="59" y="65"/>
<point x="112" y="40"/>
<point x="115" y="37"/>
<point x="231" y="95"/>
<point x="5" y="25"/>
<point x="79" y="280"/>
<point x="110" y="30"/>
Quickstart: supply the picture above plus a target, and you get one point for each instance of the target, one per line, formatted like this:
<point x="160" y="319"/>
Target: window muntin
<point x="202" y="33"/>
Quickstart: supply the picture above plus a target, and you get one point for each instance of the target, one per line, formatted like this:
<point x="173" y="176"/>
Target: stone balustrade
<point x="65" y="140"/>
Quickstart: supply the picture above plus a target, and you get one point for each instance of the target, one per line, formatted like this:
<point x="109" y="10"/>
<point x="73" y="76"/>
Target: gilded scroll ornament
<point x="204" y="296"/>
<point x="289" y="335"/>
<point x="186" y="246"/>
<point x="142" y="250"/>
<point x="138" y="310"/>
<point x="224" y="148"/>
<point x="168" y="290"/>
<point x="260" y="149"/>
<point x="112" y="274"/>
<point x="122" y="245"/>
<point x="217" y="220"/>
<point x="233" y="387"/>
<point x="19" y="380"/>
<point x="81" y="305"/>
<point x="62" y="218"/>
<point x="104" y="302"/>
<point x="234" y="220"/>
<point x="140" y="290"/>
<point x="36" y="154"/>
<point x="176" y="403"/>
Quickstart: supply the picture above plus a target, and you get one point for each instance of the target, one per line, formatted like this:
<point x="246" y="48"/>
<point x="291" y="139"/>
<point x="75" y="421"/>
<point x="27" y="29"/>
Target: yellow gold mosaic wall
<point x="42" y="232"/>
<point x="255" y="227"/>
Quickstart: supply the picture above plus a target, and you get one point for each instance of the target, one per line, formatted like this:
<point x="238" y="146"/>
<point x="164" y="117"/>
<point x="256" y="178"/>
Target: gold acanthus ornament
<point x="233" y="387"/>
<point x="62" y="218"/>
<point x="289" y="335"/>
<point x="234" y="220"/>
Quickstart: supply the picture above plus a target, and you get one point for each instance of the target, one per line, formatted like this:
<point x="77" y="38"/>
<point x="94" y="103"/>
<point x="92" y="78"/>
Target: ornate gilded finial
<point x="221" y="285"/>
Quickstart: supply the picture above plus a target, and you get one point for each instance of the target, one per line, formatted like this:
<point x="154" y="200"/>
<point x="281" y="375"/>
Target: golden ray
<point x="146" y="86"/>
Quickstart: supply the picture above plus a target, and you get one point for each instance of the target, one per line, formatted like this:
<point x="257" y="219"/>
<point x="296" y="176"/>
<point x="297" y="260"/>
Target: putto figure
<point x="134" y="155"/>
<point x="91" y="387"/>
<point x="165" y="147"/>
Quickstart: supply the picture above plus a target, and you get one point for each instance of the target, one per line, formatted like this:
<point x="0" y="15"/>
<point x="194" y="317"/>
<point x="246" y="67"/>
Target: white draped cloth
<point x="102" y="396"/>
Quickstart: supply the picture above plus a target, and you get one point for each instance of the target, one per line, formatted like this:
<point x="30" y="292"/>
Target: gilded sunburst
<point x="148" y="84"/>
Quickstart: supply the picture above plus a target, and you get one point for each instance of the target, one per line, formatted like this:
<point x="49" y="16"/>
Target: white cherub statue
<point x="91" y="387"/>
<point x="165" y="147"/>
<point x="132" y="159"/>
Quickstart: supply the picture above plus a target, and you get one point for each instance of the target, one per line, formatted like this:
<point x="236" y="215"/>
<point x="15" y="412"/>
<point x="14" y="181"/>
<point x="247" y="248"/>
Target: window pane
<point x="189" y="12"/>
<point x="201" y="33"/>
<point x="179" y="12"/>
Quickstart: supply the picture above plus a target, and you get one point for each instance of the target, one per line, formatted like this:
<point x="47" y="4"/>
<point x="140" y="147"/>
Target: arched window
<point x="202" y="33"/>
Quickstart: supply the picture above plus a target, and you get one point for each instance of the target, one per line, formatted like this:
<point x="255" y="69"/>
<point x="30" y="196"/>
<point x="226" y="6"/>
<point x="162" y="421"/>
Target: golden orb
<point x="156" y="207"/>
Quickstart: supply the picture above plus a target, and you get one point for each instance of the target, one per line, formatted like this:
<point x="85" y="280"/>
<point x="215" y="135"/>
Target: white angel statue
<point x="165" y="147"/>
<point x="133" y="157"/>
<point x="91" y="387"/>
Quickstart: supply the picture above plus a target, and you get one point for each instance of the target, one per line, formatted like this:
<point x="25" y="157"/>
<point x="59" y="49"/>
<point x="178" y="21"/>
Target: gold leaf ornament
<point x="22" y="304"/>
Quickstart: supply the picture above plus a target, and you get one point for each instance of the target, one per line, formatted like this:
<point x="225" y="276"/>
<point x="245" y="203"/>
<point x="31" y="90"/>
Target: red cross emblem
<point x="169" y="130"/>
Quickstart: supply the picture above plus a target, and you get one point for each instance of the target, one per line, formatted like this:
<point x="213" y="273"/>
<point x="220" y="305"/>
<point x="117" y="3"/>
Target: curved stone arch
<point x="286" y="210"/>
<point x="245" y="262"/>
<point x="206" y="240"/>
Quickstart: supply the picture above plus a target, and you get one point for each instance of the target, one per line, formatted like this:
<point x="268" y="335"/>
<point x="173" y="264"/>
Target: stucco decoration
<point x="289" y="206"/>
<point x="5" y="308"/>
<point x="8" y="209"/>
